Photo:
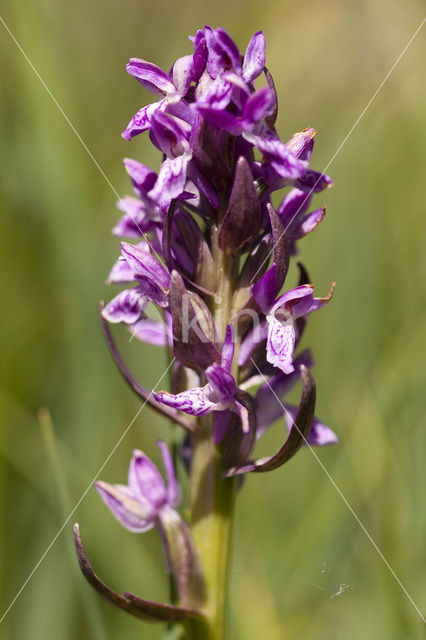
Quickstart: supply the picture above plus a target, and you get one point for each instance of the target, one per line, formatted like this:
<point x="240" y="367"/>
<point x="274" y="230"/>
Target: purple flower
<point x="219" y="394"/>
<point x="158" y="82"/>
<point x="146" y="499"/>
<point x="281" y="318"/>
<point x="204" y="231"/>
<point x="153" y="284"/>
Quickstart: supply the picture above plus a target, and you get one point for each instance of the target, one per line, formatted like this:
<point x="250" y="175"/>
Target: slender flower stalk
<point x="203" y="242"/>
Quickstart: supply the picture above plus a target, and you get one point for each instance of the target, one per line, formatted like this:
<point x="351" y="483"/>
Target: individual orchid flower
<point x="287" y="164"/>
<point x="169" y="90"/>
<point x="153" y="282"/>
<point x="146" y="500"/>
<point x="219" y="394"/>
<point x="281" y="317"/>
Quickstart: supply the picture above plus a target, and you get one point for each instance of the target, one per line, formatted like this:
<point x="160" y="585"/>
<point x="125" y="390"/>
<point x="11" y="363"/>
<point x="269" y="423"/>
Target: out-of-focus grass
<point x="303" y="566"/>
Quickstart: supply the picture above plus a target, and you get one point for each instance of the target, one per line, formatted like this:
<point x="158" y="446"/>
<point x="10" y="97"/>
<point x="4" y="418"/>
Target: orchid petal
<point x="143" y="178"/>
<point x="134" y="512"/>
<point x="254" y="59"/>
<point x="145" y="265"/>
<point x="151" y="332"/>
<point x="127" y="307"/>
<point x="222" y="383"/>
<point x="317" y="303"/>
<point x="171" y="180"/>
<point x="195" y="401"/>
<point x="310" y="222"/>
<point x="280" y="344"/>
<point x="169" y="134"/>
<point x="265" y="289"/>
<point x="150" y="76"/>
<point x="173" y="490"/>
<point x="259" y="105"/>
<point x="142" y="120"/>
<point x="294" y="206"/>
<point x="228" y="349"/>
<point x="313" y="181"/>
<point x="121" y="273"/>
<point x="302" y="143"/>
<point x="145" y="481"/>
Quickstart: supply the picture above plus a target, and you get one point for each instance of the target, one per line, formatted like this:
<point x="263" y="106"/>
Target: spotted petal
<point x="171" y="180"/>
<point x="195" y="401"/>
<point x="280" y="344"/>
<point x="127" y="306"/>
<point x="142" y="120"/>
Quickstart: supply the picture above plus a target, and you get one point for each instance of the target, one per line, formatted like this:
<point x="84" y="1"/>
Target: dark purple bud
<point x="254" y="267"/>
<point x="203" y="267"/>
<point x="186" y="250"/>
<point x="243" y="218"/>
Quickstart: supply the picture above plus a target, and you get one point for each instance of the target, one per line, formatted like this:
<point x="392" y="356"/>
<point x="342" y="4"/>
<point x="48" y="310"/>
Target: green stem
<point x="212" y="497"/>
<point x="212" y="506"/>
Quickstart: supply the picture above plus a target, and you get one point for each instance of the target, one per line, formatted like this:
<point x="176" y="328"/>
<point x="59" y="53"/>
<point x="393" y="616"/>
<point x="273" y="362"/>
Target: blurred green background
<point x="303" y="566"/>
